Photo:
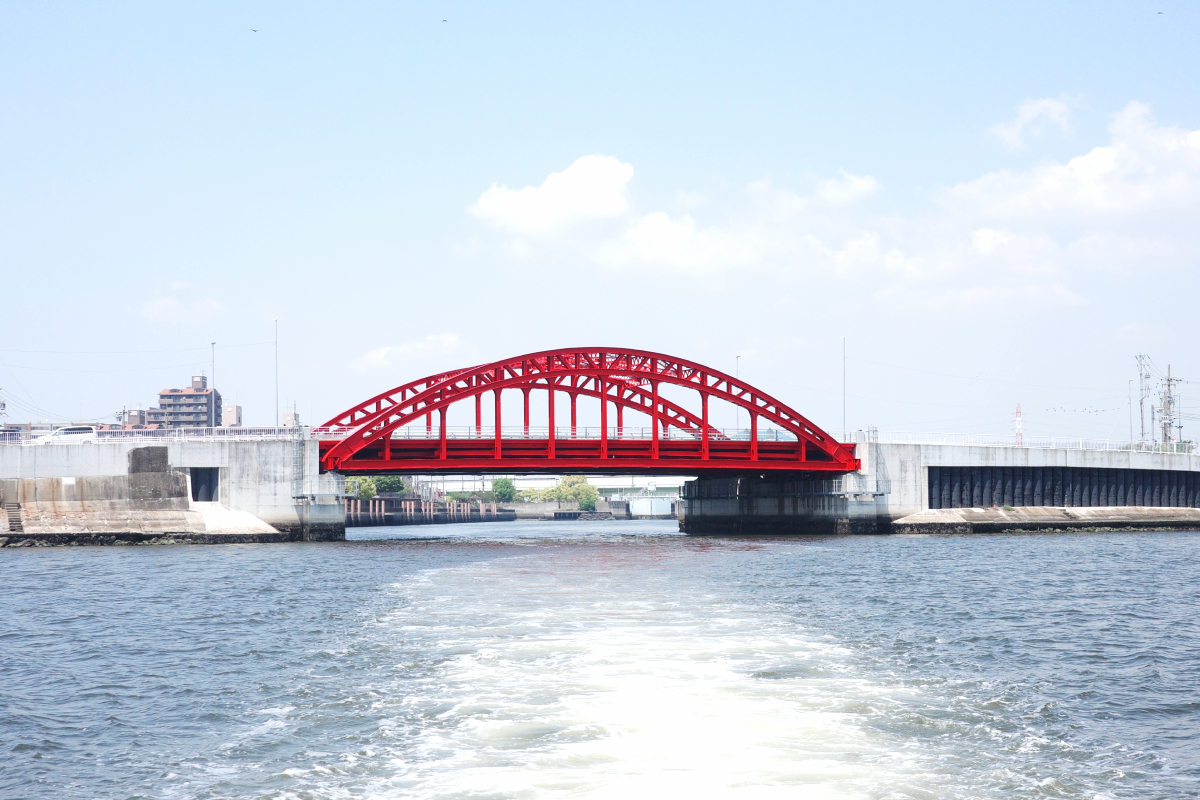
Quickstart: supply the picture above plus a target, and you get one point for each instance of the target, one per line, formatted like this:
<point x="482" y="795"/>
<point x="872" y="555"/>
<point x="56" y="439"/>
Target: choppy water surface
<point x="597" y="660"/>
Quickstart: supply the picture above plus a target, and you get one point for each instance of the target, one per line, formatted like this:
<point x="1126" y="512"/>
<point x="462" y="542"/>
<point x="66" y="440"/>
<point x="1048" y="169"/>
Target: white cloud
<point x="1146" y="167"/>
<point x="168" y="308"/>
<point x="1011" y="236"/>
<point x="987" y="240"/>
<point x="680" y="244"/>
<point x="1032" y="117"/>
<point x="593" y="187"/>
<point x="383" y="357"/>
<point x="846" y="190"/>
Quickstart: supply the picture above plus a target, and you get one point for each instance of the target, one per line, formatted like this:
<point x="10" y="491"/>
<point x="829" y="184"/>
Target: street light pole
<point x="212" y="406"/>
<point x="276" y="373"/>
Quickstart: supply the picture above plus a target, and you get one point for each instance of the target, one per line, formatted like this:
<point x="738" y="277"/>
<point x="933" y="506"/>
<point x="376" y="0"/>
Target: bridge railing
<point x="1011" y="440"/>
<point x="163" y="435"/>
<point x="565" y="432"/>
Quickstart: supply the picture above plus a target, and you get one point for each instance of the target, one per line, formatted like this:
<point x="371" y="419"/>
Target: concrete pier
<point x="193" y="490"/>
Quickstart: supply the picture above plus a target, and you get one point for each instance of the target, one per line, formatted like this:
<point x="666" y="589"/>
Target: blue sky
<point x="993" y="205"/>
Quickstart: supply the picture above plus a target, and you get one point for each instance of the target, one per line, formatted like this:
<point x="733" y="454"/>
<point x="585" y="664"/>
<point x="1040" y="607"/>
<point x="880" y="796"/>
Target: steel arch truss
<point x="367" y="437"/>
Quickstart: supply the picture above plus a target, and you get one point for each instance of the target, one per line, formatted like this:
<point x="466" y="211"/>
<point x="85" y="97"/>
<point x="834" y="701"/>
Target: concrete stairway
<point x="13" y="518"/>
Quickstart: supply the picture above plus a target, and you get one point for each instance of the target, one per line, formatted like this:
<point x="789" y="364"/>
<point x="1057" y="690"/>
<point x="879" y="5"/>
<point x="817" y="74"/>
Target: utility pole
<point x="844" y="432"/>
<point x="276" y="373"/>
<point x="1168" y="407"/>
<point x="213" y="365"/>
<point x="1143" y="366"/>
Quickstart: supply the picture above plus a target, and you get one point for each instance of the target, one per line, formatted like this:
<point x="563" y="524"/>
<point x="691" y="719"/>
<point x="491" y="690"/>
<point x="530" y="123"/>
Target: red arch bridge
<point x="404" y="429"/>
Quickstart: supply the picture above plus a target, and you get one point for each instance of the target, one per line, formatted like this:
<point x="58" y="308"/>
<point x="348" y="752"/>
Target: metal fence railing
<point x="1025" y="441"/>
<point x="160" y="435"/>
<point x="566" y="432"/>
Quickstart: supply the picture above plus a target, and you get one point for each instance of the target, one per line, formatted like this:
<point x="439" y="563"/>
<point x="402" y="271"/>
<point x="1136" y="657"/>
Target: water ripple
<point x="604" y="660"/>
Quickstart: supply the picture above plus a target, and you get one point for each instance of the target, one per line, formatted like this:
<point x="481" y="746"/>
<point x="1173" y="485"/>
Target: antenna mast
<point x="1143" y="366"/>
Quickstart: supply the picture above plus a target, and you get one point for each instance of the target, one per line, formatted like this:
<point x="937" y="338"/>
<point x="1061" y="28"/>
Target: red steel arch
<point x="366" y="438"/>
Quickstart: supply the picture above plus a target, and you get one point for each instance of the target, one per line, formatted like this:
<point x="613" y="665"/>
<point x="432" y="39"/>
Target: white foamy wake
<point x="528" y="679"/>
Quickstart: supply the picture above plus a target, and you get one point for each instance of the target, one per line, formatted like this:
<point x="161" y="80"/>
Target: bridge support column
<point x="704" y="425"/>
<point x="442" y="434"/>
<point x="479" y="415"/>
<point x="573" y="424"/>
<point x="550" y="409"/>
<point x="603" y="418"/>
<point x="654" y="421"/>
<point x="753" y="436"/>
<point x="526" y="391"/>
<point x="497" y="393"/>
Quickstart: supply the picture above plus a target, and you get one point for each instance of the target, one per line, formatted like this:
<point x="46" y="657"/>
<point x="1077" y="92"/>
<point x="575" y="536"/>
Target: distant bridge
<point x="396" y="431"/>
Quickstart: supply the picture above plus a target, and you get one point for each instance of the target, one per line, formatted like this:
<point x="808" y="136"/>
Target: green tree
<point x="576" y="487"/>
<point x="572" y="488"/>
<point x="362" y="488"/>
<point x="504" y="489"/>
<point x="389" y="483"/>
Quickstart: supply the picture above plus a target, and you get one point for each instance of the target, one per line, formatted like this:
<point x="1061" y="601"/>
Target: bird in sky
<point x="254" y="30"/>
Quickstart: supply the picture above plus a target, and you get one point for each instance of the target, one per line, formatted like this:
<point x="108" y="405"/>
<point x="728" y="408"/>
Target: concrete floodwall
<point x="1123" y="489"/>
<point x="541" y="510"/>
<point x="138" y="486"/>
<point x="901" y="471"/>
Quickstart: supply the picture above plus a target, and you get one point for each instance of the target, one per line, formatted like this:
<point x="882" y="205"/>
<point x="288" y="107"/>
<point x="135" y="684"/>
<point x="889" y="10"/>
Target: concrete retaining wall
<point x="267" y="488"/>
<point x="541" y="510"/>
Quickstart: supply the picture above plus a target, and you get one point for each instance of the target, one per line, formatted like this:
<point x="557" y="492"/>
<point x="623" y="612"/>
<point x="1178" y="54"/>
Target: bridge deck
<point x="593" y="456"/>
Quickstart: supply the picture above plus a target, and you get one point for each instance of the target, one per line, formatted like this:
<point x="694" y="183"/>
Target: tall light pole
<point x="212" y="406"/>
<point x="844" y="432"/>
<point x="1131" y="413"/>
<point x="276" y="373"/>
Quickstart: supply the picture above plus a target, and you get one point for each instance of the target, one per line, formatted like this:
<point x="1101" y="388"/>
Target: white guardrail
<point x="1011" y="440"/>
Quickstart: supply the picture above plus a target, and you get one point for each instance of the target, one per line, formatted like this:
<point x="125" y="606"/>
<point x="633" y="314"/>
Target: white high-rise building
<point x="232" y="415"/>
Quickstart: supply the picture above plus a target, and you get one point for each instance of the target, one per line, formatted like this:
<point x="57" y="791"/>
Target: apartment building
<point x="194" y="407"/>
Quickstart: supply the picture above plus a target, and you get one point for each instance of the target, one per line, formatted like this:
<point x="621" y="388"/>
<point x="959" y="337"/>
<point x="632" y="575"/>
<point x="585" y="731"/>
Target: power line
<point x="981" y="379"/>
<point x="128" y="352"/>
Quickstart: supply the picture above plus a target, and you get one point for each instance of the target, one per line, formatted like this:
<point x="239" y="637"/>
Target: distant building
<point x="291" y="419"/>
<point x="196" y="407"/>
<point x="232" y="415"/>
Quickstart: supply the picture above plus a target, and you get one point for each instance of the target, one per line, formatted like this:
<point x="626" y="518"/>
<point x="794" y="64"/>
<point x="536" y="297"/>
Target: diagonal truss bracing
<point x="629" y="379"/>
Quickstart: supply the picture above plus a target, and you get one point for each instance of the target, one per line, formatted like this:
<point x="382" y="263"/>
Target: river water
<point x="604" y="660"/>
